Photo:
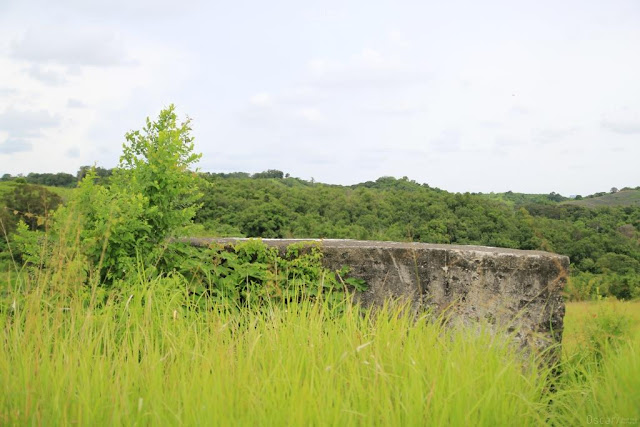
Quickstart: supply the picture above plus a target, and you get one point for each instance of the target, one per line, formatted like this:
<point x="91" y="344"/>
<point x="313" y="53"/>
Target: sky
<point x="471" y="96"/>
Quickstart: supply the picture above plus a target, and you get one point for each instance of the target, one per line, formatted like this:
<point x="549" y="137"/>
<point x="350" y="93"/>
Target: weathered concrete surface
<point x="518" y="290"/>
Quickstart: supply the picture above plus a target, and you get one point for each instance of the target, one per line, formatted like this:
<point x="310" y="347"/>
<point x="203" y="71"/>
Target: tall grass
<point x="148" y="360"/>
<point x="601" y="378"/>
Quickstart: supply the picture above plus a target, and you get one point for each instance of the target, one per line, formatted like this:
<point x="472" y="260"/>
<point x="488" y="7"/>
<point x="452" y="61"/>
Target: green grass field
<point x="143" y="358"/>
<point x="579" y="314"/>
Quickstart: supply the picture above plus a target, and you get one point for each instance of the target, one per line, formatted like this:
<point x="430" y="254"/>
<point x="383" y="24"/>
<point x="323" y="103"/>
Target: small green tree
<point x="156" y="163"/>
<point x="271" y="173"/>
<point x="150" y="197"/>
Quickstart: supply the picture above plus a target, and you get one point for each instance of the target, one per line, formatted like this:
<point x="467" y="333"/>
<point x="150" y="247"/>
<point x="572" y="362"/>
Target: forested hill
<point x="603" y="242"/>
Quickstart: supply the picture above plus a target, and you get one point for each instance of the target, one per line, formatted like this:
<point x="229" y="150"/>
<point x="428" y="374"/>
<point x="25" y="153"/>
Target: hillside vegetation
<point x="621" y="198"/>
<point x="603" y="242"/>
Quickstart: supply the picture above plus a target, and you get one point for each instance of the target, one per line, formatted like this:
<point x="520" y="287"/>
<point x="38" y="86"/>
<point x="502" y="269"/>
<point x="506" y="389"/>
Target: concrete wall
<point x="518" y="290"/>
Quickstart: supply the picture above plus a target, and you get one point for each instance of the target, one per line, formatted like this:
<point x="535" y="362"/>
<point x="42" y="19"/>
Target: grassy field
<point x="579" y="314"/>
<point x="142" y="357"/>
<point x="621" y="198"/>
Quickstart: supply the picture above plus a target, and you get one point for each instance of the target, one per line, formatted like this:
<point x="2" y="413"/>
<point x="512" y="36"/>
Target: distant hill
<point x="621" y="198"/>
<point x="8" y="186"/>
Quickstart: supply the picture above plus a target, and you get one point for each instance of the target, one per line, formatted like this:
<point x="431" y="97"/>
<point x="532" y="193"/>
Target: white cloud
<point x="371" y="58"/>
<point x="70" y="46"/>
<point x="368" y="68"/>
<point x="73" y="152"/>
<point x="396" y="108"/>
<point x="15" y="145"/>
<point x="301" y="95"/>
<point x="23" y="124"/>
<point x="311" y="114"/>
<point x="519" y="109"/>
<point x="546" y="136"/>
<point x="75" y="103"/>
<point x="261" y="100"/>
<point x="5" y="91"/>
<point x="127" y="10"/>
<point x="625" y="127"/>
<point x="46" y="75"/>
<point x="447" y="142"/>
<point x="398" y="39"/>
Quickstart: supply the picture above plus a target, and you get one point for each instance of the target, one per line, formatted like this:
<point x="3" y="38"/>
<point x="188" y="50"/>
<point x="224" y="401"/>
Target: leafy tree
<point x="100" y="172"/>
<point x="555" y="197"/>
<point x="60" y="179"/>
<point x="618" y="263"/>
<point x="29" y="203"/>
<point x="152" y="194"/>
<point x="155" y="163"/>
<point x="271" y="173"/>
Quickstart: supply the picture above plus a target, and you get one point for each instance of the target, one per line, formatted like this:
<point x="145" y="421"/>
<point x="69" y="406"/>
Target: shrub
<point x="29" y="203"/>
<point x="123" y="227"/>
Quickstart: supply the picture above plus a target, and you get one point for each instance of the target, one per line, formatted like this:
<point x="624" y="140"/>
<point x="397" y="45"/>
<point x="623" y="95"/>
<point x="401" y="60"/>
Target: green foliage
<point x="252" y="274"/>
<point x="271" y="173"/>
<point x="589" y="286"/>
<point x="60" y="179"/>
<point x="101" y="173"/>
<point x="29" y="203"/>
<point x="28" y="244"/>
<point x="113" y="229"/>
<point x="123" y="227"/>
<point x="155" y="164"/>
<point x="624" y="197"/>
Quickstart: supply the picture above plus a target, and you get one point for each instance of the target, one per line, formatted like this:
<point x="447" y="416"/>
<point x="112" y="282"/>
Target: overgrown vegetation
<point x="151" y="353"/>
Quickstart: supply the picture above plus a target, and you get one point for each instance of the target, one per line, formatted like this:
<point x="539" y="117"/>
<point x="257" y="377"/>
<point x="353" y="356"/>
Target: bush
<point x="252" y="274"/>
<point x="589" y="286"/>
<point x="122" y="228"/>
<point x="29" y="203"/>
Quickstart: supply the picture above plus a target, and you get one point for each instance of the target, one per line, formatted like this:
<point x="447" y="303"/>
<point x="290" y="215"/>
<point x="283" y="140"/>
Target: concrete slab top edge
<point x="348" y="243"/>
